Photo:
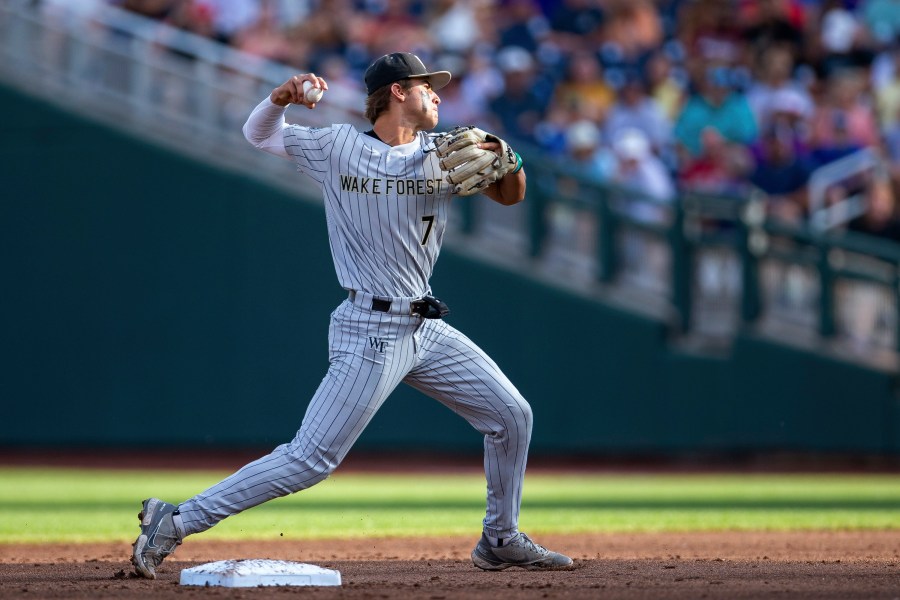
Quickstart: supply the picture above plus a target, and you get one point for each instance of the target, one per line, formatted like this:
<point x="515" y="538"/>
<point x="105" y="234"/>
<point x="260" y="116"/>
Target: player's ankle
<point x="499" y="541"/>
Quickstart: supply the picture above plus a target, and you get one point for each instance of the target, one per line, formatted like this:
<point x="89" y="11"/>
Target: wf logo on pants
<point x="377" y="344"/>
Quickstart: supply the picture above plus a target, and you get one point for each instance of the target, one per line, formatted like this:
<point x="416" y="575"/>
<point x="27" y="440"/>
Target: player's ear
<point x="398" y="91"/>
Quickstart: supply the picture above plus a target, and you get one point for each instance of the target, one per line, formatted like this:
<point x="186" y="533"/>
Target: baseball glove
<point x="469" y="168"/>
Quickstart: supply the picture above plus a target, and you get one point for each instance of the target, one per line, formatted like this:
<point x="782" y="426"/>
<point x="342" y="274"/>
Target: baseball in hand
<point x="311" y="94"/>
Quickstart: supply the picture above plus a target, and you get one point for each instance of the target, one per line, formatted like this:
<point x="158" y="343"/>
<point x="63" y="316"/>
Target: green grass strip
<point x="54" y="505"/>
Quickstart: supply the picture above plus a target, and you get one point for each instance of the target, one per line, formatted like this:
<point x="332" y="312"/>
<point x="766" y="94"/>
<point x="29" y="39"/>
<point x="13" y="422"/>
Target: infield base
<point x="259" y="572"/>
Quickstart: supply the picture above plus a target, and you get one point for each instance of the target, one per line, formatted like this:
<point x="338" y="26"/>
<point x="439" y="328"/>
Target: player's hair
<point x="378" y="101"/>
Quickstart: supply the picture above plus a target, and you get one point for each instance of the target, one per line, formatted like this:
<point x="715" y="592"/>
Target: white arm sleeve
<point x="265" y="128"/>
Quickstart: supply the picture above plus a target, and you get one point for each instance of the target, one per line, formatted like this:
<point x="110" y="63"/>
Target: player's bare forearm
<point x="291" y="91"/>
<point x="509" y="190"/>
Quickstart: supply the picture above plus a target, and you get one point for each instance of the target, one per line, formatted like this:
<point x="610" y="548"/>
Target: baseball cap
<point x="514" y="59"/>
<point x="632" y="144"/>
<point x="402" y="65"/>
<point x="582" y="135"/>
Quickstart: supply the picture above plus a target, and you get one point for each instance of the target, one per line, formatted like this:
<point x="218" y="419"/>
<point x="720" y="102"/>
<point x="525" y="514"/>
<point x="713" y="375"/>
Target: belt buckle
<point x="381" y="305"/>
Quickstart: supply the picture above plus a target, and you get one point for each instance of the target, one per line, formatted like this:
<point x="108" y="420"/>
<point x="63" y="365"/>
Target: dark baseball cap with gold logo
<point x="402" y="65"/>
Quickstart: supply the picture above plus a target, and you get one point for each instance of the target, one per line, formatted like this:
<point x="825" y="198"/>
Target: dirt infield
<point x="835" y="565"/>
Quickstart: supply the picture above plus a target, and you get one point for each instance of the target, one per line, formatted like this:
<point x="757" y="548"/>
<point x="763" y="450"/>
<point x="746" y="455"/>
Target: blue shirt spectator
<point x="718" y="106"/>
<point x="779" y="170"/>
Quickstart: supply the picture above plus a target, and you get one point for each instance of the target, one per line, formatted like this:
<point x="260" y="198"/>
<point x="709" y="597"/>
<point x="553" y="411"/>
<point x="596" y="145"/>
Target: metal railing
<point x="710" y="266"/>
<point x="825" y="215"/>
<point x="844" y="286"/>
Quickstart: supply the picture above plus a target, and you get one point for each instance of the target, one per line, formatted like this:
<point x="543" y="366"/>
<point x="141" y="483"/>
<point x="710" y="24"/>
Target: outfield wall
<point x="136" y="282"/>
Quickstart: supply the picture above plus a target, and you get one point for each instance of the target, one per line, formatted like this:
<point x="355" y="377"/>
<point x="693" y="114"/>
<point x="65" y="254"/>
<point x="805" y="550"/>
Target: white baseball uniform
<point x="386" y="210"/>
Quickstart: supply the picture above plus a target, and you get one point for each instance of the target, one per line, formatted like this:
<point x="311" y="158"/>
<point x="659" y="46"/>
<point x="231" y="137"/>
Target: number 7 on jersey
<point x="429" y="221"/>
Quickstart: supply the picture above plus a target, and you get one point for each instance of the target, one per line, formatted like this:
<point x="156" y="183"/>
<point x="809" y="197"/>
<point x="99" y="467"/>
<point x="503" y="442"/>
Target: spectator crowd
<point x="713" y="96"/>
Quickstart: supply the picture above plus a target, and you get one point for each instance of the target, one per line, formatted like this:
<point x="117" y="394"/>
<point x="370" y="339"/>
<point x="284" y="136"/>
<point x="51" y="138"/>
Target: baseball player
<point x="387" y="194"/>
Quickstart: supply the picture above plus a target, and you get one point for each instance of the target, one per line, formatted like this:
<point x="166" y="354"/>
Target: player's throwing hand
<point x="292" y="91"/>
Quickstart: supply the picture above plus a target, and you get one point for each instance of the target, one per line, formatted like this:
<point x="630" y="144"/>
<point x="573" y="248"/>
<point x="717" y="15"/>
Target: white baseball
<point x="311" y="94"/>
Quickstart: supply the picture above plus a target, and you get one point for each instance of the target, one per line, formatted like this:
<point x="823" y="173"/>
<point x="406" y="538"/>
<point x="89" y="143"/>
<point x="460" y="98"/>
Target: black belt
<point x="428" y="307"/>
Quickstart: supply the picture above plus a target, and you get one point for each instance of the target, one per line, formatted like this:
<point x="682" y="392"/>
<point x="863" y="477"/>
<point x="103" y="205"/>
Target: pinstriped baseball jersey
<point x="386" y="207"/>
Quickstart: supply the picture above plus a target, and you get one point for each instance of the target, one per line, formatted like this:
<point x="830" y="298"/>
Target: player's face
<point x="426" y="104"/>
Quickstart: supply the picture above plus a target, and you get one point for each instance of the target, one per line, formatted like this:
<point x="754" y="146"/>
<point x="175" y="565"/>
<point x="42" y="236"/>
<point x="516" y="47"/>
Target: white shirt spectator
<point x="457" y="29"/>
<point x="231" y="16"/>
<point x="640" y="170"/>
<point x="766" y="100"/>
<point x="646" y="116"/>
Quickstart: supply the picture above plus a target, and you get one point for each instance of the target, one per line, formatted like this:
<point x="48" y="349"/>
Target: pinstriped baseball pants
<point x="370" y="354"/>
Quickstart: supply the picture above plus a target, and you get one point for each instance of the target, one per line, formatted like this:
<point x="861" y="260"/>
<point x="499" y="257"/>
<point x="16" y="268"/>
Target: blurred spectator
<point x="458" y="107"/>
<point x="707" y="29"/>
<point x="522" y="104"/>
<point x="231" y="17"/>
<point x="841" y="40"/>
<point x="865" y="302"/>
<point x="343" y="88"/>
<point x="886" y="86"/>
<point x="292" y="13"/>
<point x="586" y="160"/>
<point x="322" y="36"/>
<point x="892" y="147"/>
<point x="193" y="16"/>
<point x="638" y="169"/>
<point x="773" y="23"/>
<point x="880" y="218"/>
<point x="550" y="133"/>
<point x="843" y="122"/>
<point x="787" y="114"/>
<point x="716" y="105"/>
<point x="395" y="25"/>
<point x="634" y="109"/>
<point x="882" y="18"/>
<point x="648" y="187"/>
<point x="523" y="25"/>
<point x="782" y="174"/>
<point x="265" y="37"/>
<point x="774" y="88"/>
<point x="663" y="86"/>
<point x="574" y="21"/>
<point x="154" y="9"/>
<point x="631" y="31"/>
<point x="482" y="80"/>
<point x="721" y="167"/>
<point x="454" y="25"/>
<point x="584" y="89"/>
<point x="586" y="155"/>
